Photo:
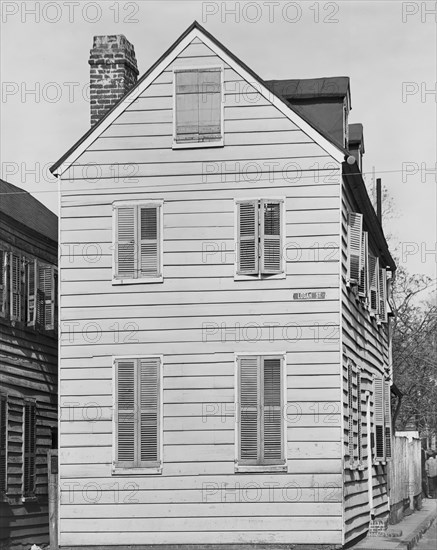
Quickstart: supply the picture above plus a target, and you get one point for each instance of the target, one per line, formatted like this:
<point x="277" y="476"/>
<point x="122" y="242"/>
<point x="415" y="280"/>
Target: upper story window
<point x="137" y="242"/>
<point x="260" y="236"/>
<point x="198" y="119"/>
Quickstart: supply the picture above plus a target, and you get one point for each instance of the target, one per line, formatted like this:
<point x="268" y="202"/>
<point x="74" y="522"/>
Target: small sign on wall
<point x="309" y="295"/>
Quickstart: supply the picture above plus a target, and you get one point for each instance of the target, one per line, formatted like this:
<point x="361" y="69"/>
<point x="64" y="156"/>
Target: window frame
<point x="141" y="470"/>
<point x="139" y="203"/>
<point x="260" y="275"/>
<point x="260" y="468"/>
<point x="200" y="144"/>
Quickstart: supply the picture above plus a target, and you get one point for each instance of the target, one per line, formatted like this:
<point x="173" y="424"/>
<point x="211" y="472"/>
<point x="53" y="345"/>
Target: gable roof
<point x="25" y="209"/>
<point x="195" y="30"/>
<point x="311" y="88"/>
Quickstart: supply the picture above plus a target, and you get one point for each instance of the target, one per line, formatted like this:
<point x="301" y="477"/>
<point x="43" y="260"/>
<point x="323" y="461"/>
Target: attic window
<point x="198" y="107"/>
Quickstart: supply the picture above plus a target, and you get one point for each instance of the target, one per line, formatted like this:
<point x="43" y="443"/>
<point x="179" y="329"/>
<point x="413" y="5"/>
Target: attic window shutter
<point x="373" y="284"/>
<point x="363" y="280"/>
<point x="125" y="413"/>
<point x="247" y="238"/>
<point x="209" y="104"/>
<point x="29" y="474"/>
<point x="271" y="242"/>
<point x="387" y="417"/>
<point x="149" y="241"/>
<point x="354" y="236"/>
<point x="249" y="409"/>
<point x="46" y="287"/>
<point x="3" y="444"/>
<point x="125" y="258"/>
<point x="382" y="315"/>
<point x="149" y="411"/>
<point x="15" y="286"/>
<point x="378" y="400"/>
<point x="272" y="424"/>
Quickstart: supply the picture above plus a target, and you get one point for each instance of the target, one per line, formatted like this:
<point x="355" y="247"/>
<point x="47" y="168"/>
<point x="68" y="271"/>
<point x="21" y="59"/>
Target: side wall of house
<point x="199" y="498"/>
<point x="28" y="370"/>
<point x="365" y="342"/>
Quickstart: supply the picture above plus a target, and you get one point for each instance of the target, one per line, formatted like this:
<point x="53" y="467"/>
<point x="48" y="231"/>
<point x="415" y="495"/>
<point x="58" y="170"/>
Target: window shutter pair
<point x="137" y="412"/>
<point x="354" y="245"/>
<point x="29" y="436"/>
<point x="137" y="249"/>
<point x="198" y="105"/>
<point x="382" y="419"/>
<point x="3" y="444"/>
<point x="260" y="410"/>
<point x="259" y="246"/>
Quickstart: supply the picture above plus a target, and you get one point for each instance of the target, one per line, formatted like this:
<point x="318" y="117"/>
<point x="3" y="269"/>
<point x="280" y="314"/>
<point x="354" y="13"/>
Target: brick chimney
<point x="113" y="72"/>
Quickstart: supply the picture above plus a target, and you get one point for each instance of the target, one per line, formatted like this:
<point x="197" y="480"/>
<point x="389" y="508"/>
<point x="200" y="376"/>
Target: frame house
<point x="225" y="350"/>
<point x="28" y="365"/>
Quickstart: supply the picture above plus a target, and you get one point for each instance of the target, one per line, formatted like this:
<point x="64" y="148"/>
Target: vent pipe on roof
<point x="113" y="72"/>
<point x="379" y="200"/>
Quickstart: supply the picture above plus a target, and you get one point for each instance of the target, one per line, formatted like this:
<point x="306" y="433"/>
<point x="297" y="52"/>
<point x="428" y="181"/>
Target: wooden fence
<point x="405" y="475"/>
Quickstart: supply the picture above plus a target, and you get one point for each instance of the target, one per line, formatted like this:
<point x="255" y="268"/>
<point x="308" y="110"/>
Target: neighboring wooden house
<point x="225" y="349"/>
<point x="28" y="364"/>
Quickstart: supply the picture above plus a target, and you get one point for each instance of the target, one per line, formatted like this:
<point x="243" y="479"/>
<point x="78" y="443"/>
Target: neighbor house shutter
<point x="378" y="400"/>
<point x="187" y="106"/>
<point x="247" y="245"/>
<point x="373" y="284"/>
<point x="125" y="249"/>
<point x="271" y="242"/>
<point x="272" y="413"/>
<point x="15" y="285"/>
<point x="3" y="444"/>
<point x="149" y="410"/>
<point x="46" y="286"/>
<point x="387" y="419"/>
<point x="209" y="82"/>
<point x="149" y="241"/>
<point x="249" y="378"/>
<point x="354" y="240"/>
<point x="125" y="412"/>
<point x="363" y="281"/>
<point x="29" y="474"/>
<point x="382" y="310"/>
<point x="350" y="385"/>
<point x="32" y="287"/>
<point x="3" y="279"/>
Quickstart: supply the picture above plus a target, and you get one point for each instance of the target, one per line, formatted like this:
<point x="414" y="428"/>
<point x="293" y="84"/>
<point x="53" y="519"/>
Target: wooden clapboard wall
<point x="28" y="371"/>
<point x="365" y="342"/>
<point x="199" y="498"/>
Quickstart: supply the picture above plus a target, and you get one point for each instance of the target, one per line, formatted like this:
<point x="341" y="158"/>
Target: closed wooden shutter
<point x="32" y="287"/>
<point x="29" y="437"/>
<point x="149" y="411"/>
<point x="3" y="444"/>
<point x="3" y="279"/>
<point x="354" y="239"/>
<point x="382" y="309"/>
<point x="247" y="245"/>
<point x="209" y="104"/>
<point x="46" y="286"/>
<point x="387" y="418"/>
<point x="15" y="286"/>
<point x="149" y="241"/>
<point x="125" y="412"/>
<point x="187" y="106"/>
<point x="125" y="249"/>
<point x="363" y="282"/>
<point x="249" y="410"/>
<point x="271" y="242"/>
<point x="373" y="284"/>
<point x="272" y="410"/>
<point x="378" y="418"/>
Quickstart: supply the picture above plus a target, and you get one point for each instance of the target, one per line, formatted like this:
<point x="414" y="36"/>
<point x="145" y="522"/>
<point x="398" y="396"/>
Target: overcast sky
<point x="388" y="49"/>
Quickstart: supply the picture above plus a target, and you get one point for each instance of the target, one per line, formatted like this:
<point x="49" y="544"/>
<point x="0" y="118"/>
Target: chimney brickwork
<point x="113" y="72"/>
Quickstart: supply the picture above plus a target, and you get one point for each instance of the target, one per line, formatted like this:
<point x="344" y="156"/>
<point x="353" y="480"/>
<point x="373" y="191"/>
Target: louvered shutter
<point x="187" y="106"/>
<point x="247" y="246"/>
<point x="360" y="420"/>
<point x="249" y="413"/>
<point x="15" y="285"/>
<point x="46" y="286"/>
<point x="149" y="411"/>
<point x="271" y="241"/>
<point x="29" y="474"/>
<point x="126" y="422"/>
<point x="149" y="241"/>
<point x="382" y="309"/>
<point x="3" y="278"/>
<point x="272" y="417"/>
<point x="387" y="419"/>
<point x="363" y="281"/>
<point x="209" y="82"/>
<point x="373" y="284"/>
<point x="378" y="419"/>
<point x="125" y="247"/>
<point x="32" y="287"/>
<point x="3" y="444"/>
<point x="350" y="384"/>
<point x="354" y="239"/>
